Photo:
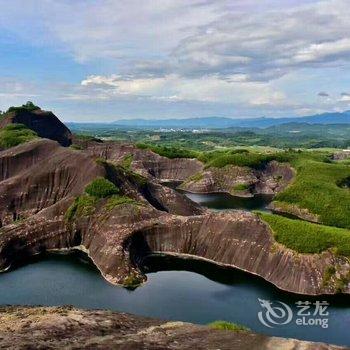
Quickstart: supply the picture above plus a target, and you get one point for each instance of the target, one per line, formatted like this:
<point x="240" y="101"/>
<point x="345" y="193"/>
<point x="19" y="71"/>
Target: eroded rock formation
<point x="241" y="181"/>
<point x="69" y="328"/>
<point x="40" y="180"/>
<point x="145" y="162"/>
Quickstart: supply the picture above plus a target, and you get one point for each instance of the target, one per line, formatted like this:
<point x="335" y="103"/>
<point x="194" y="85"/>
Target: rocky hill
<point x="44" y="123"/>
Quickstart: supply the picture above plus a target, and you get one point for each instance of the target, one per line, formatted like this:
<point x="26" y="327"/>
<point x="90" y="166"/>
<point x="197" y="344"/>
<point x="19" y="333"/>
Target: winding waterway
<point x="222" y="201"/>
<point x="184" y="290"/>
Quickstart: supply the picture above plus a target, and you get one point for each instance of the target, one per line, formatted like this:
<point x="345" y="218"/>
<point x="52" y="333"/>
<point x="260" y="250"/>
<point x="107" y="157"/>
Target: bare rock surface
<point x="69" y="328"/>
<point x="293" y="211"/>
<point x="146" y="162"/>
<point x="341" y="155"/>
<point x="241" y="181"/>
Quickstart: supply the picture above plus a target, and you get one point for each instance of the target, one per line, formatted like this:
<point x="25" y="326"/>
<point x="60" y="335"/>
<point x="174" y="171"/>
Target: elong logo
<point x="277" y="313"/>
<point x="273" y="314"/>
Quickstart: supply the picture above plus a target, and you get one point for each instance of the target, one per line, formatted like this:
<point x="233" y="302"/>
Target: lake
<point x="222" y="201"/>
<point x="195" y="292"/>
<point x="183" y="290"/>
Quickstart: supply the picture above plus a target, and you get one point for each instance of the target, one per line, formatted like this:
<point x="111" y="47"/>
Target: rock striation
<point x="241" y="181"/>
<point x="40" y="180"/>
<point x="145" y="162"/>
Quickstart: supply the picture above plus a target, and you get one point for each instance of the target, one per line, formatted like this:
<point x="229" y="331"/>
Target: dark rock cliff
<point x="44" y="123"/>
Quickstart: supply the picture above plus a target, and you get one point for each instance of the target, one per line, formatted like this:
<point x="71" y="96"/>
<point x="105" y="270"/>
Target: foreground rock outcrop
<point x="69" y="328"/>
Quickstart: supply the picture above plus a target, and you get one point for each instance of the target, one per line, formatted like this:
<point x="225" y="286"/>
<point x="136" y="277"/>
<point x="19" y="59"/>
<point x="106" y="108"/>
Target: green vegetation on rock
<point x="100" y="192"/>
<point x="101" y="188"/>
<point x="168" y="151"/>
<point x="242" y="158"/>
<point x="15" y="134"/>
<point x="241" y="187"/>
<point x="306" y="237"/>
<point x="328" y="275"/>
<point x="317" y="189"/>
<point x="29" y="107"/>
<point x="76" y="147"/>
<point x="116" y="200"/>
<point x="196" y="177"/>
<point x="82" y="206"/>
<point x="228" y="326"/>
<point x="342" y="283"/>
<point x="126" y="162"/>
<point x="132" y="281"/>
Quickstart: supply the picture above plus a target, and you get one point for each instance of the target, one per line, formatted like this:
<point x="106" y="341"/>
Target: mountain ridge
<point x="225" y="122"/>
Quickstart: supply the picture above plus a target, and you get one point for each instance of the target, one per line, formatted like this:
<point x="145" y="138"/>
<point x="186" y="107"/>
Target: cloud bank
<point x="252" y="55"/>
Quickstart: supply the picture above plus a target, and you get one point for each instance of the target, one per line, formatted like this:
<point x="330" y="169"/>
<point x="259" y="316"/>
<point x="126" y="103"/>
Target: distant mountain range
<point x="221" y="122"/>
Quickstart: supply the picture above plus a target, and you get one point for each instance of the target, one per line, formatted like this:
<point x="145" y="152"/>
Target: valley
<point x="276" y="218"/>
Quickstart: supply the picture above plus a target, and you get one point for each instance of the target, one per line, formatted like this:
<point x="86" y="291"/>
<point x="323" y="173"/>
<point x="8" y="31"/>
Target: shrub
<point x="126" y="161"/>
<point x="101" y="188"/>
<point x="169" y="152"/>
<point x="132" y="281"/>
<point x="241" y="187"/>
<point x="29" y="106"/>
<point x="101" y="161"/>
<point x="117" y="200"/>
<point x="328" y="274"/>
<point x="15" y="134"/>
<point x="83" y="206"/>
<point x="229" y="326"/>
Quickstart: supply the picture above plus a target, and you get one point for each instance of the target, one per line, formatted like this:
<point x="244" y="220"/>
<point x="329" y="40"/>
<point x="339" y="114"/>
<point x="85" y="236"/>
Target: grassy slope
<point x="306" y="237"/>
<point x="15" y="134"/>
<point x="316" y="189"/>
<point x="228" y="326"/>
<point x="99" y="190"/>
<point x="241" y="157"/>
<point x="169" y="151"/>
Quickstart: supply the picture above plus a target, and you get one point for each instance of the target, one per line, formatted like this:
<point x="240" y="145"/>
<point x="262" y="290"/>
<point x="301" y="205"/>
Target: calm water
<point x="184" y="290"/>
<point x="221" y="201"/>
<point x="202" y="295"/>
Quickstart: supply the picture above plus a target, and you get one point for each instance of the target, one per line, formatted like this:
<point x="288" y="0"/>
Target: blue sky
<point x="102" y="60"/>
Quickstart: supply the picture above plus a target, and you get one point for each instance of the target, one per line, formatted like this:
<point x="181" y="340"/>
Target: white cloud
<point x="345" y="97"/>
<point x="262" y="39"/>
<point x="208" y="51"/>
<point x="176" y="88"/>
<point x="270" y="44"/>
<point x="316" y="52"/>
